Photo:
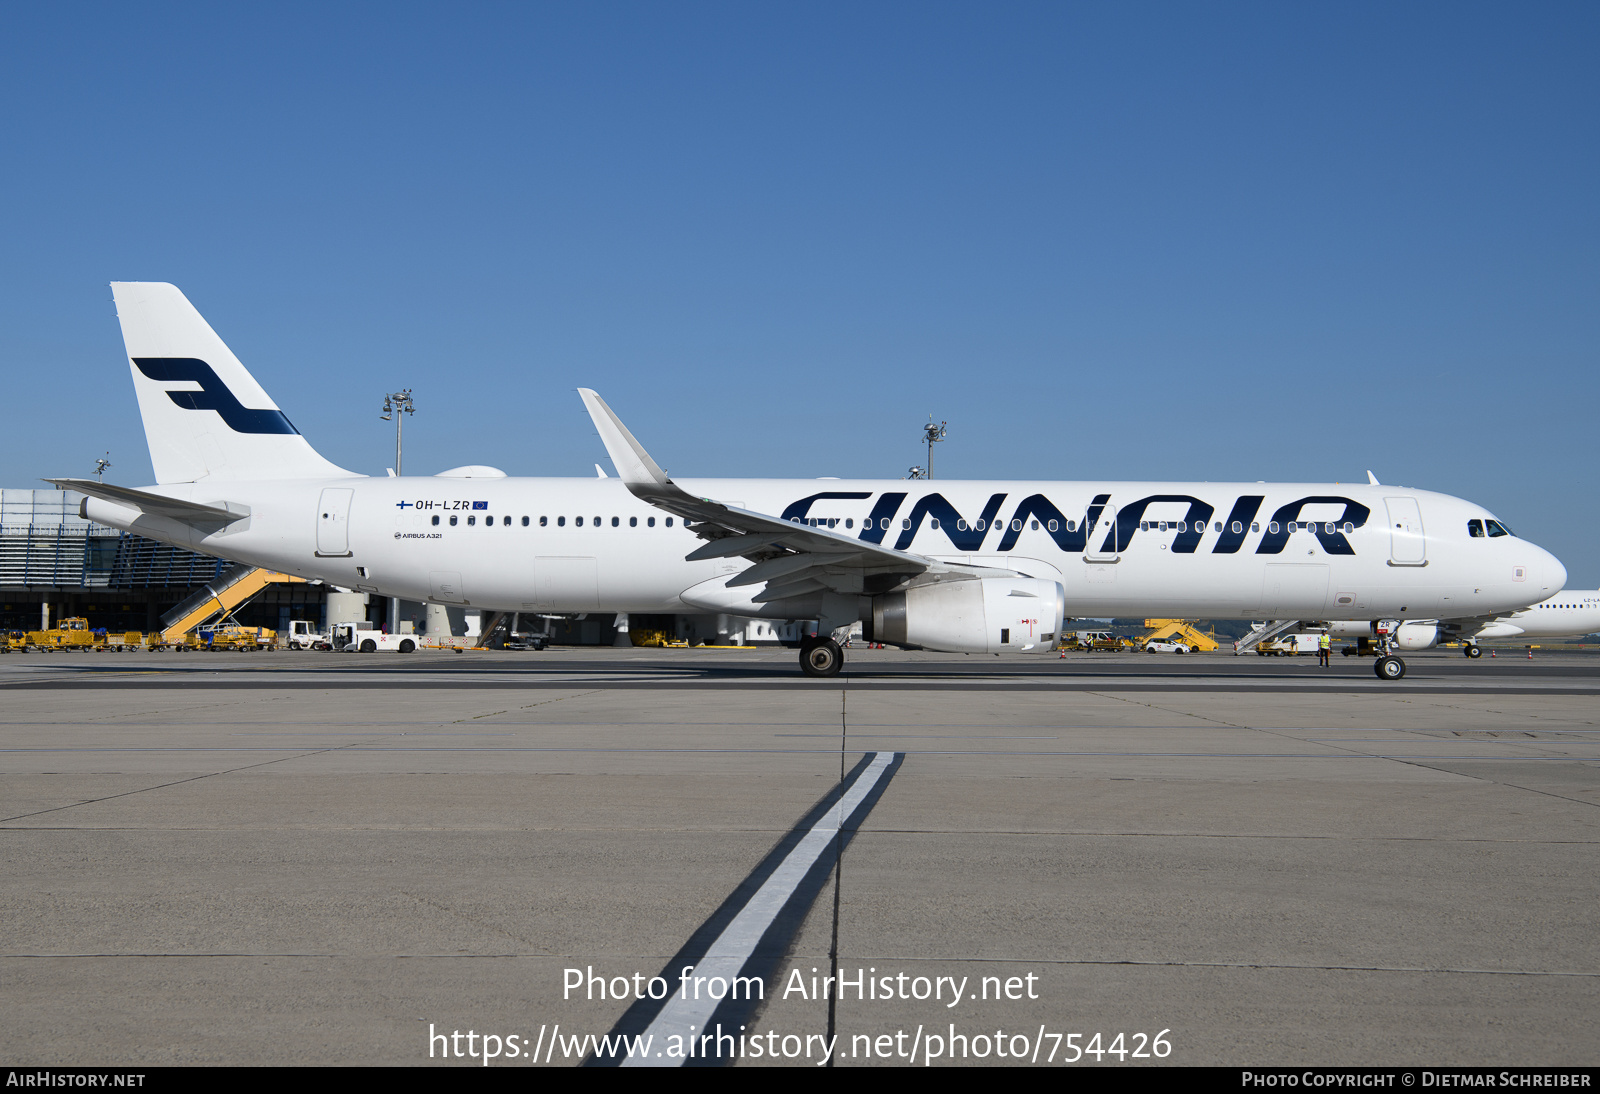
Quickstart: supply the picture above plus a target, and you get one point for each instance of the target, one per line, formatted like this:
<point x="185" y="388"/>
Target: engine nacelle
<point x="979" y="615"/>
<point x="1417" y="636"/>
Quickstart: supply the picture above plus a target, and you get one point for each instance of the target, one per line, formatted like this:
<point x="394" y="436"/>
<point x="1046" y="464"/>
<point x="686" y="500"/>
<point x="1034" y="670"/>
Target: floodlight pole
<point x="932" y="433"/>
<point x="398" y="403"/>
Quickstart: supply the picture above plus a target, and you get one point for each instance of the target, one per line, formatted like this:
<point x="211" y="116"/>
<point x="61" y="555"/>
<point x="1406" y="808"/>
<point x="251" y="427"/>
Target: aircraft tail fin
<point x="205" y="417"/>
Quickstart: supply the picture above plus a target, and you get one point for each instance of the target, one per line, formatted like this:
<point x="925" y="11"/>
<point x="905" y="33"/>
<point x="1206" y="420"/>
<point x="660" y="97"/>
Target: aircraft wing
<point x="158" y="505"/>
<point x="793" y="559"/>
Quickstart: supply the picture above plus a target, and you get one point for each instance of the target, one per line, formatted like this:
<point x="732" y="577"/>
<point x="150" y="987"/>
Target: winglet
<point x="632" y="461"/>
<point x="1372" y="480"/>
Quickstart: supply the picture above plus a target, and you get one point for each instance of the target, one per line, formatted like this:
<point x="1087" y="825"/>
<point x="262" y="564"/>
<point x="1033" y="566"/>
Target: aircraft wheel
<point x="368" y="646"/>
<point x="1473" y="650"/>
<point x="821" y="657"/>
<point x="1389" y="668"/>
<point x="406" y="645"/>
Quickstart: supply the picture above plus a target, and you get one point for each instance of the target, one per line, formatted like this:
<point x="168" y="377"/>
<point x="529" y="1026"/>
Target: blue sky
<point x="1103" y="241"/>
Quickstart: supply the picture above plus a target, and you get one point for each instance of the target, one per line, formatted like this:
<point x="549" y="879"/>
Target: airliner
<point x="1571" y="613"/>
<point x="967" y="567"/>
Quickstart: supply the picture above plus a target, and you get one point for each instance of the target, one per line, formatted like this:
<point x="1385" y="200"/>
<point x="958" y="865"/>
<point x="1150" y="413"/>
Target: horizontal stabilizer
<point x="157" y="505"/>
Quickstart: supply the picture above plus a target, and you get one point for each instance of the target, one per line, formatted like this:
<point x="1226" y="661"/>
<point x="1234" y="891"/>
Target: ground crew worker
<point x="1324" y="648"/>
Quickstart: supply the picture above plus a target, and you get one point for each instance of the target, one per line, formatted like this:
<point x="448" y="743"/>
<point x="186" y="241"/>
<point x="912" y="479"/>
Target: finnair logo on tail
<point x="213" y="394"/>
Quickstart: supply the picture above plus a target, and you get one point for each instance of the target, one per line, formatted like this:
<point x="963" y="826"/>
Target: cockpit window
<point x="1497" y="529"/>
<point x="1475" y="529"/>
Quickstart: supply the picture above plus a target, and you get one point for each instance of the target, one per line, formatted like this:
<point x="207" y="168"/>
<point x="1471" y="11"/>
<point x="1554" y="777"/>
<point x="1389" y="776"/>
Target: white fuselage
<point x="1571" y="613"/>
<point x="1226" y="550"/>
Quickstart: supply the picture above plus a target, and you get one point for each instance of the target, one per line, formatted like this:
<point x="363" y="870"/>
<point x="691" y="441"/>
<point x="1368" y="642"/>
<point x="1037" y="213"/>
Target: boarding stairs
<point x="1271" y="630"/>
<point x="229" y="591"/>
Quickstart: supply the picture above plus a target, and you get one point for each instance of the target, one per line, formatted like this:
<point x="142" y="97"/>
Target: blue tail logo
<point x="213" y="394"/>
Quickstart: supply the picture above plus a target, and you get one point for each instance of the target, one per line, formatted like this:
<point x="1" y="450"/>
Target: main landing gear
<point x="821" y="657"/>
<point x="1389" y="667"/>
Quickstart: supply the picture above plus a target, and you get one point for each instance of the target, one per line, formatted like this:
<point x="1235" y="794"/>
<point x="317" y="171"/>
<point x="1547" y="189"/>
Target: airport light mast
<point x="397" y="403"/>
<point x="931" y="433"/>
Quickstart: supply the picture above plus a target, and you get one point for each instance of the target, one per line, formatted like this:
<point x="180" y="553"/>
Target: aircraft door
<point x="333" y="523"/>
<point x="1407" y="544"/>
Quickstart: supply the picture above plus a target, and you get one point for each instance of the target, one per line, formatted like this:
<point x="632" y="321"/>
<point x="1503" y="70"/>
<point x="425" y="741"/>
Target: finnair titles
<point x="970" y="567"/>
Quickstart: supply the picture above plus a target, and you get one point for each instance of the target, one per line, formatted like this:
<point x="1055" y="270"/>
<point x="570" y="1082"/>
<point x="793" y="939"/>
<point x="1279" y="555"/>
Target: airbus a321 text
<point x="971" y="567"/>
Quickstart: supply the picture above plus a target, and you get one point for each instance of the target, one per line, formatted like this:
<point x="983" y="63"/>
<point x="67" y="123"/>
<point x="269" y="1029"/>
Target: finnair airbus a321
<point x="968" y="567"/>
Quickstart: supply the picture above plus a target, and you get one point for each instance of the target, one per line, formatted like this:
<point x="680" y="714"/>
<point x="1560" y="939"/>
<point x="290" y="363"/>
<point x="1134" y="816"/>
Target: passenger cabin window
<point x="561" y="522"/>
<point x="524" y="522"/>
<point x="633" y="522"/>
<point x="544" y="522"/>
<point x="453" y="521"/>
<point x="471" y="521"/>
<point x="615" y="521"/>
<point x="650" y="522"/>
<point x="436" y="521"/>
<point x="669" y="522"/>
<point x="578" y="521"/>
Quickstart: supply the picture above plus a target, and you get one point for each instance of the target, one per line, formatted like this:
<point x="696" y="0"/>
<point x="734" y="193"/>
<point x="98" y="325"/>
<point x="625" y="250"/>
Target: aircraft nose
<point x="1550" y="572"/>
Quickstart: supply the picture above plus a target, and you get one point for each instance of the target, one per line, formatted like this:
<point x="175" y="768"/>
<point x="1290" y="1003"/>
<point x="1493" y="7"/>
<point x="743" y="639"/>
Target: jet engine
<point x="975" y="615"/>
<point x="1417" y="636"/>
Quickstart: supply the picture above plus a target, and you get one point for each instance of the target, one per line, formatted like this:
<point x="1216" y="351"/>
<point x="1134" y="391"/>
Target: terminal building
<point x="55" y="565"/>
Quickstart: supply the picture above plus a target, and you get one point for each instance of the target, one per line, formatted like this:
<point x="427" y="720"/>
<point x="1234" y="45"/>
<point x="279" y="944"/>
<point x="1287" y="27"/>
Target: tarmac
<point x="317" y="858"/>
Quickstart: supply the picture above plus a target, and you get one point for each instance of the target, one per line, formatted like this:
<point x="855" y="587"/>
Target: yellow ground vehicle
<point x="234" y="636"/>
<point x="1103" y="642"/>
<point x="69" y="634"/>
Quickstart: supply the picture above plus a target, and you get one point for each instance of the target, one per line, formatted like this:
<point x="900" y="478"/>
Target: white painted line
<point x="685" y="1017"/>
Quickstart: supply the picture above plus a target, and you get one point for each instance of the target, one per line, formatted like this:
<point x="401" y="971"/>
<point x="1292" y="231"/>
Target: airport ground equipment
<point x="360" y="636"/>
<point x="1263" y="633"/>
<point x="71" y="634"/>
<point x="1290" y="645"/>
<point x="303" y="636"/>
<point x="1104" y="642"/>
<point x="235" y="636"/>
<point x="222" y="596"/>
<point x="1181" y="631"/>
